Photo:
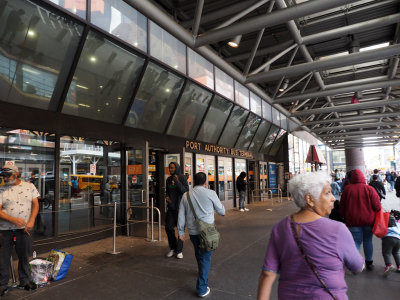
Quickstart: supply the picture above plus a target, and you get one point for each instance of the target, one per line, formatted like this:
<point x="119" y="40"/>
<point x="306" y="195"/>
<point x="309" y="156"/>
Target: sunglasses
<point x="6" y="173"/>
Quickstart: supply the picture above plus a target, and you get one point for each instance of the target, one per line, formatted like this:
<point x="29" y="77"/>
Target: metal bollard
<point x="115" y="230"/>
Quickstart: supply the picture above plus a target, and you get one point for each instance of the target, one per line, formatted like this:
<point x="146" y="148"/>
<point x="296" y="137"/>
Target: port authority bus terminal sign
<point x="217" y="149"/>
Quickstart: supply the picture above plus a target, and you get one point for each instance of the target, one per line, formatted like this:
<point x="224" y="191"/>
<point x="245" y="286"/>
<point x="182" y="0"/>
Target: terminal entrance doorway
<point x="206" y="164"/>
<point x="225" y="183"/>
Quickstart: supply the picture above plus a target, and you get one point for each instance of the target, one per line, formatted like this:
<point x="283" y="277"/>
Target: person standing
<point x="176" y="186"/>
<point x="241" y="187"/>
<point x="204" y="202"/>
<point x="393" y="180"/>
<point x="359" y="204"/>
<point x="19" y="207"/>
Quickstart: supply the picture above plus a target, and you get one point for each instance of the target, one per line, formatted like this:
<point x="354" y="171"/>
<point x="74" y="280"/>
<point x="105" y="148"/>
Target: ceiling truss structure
<point x="338" y="60"/>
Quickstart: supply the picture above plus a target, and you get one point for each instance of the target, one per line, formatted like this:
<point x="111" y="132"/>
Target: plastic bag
<point x="41" y="271"/>
<point x="381" y="224"/>
<point x="61" y="263"/>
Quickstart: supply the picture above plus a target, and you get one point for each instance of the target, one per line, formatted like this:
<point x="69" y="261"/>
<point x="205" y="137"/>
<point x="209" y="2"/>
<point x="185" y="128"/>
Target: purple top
<point x="330" y="247"/>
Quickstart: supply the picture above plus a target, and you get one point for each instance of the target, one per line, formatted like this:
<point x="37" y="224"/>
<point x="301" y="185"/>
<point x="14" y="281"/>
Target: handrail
<point x="152" y="219"/>
<point x="269" y="191"/>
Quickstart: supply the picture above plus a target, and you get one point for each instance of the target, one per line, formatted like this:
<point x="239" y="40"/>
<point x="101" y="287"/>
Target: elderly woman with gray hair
<point x="307" y="250"/>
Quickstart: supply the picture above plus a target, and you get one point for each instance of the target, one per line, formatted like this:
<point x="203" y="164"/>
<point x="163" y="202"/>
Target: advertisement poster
<point x="272" y="176"/>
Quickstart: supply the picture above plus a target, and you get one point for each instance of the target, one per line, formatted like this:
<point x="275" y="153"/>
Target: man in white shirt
<point x="204" y="202"/>
<point x="19" y="207"/>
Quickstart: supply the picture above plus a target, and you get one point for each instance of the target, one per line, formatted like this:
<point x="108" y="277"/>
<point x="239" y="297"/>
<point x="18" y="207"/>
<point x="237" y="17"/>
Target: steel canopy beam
<point x="325" y="64"/>
<point x="359" y="125"/>
<point x="336" y="138"/>
<point x="354" y="118"/>
<point x="346" y="89"/>
<point x="275" y="18"/>
<point x="360" y="132"/>
<point x="348" y="107"/>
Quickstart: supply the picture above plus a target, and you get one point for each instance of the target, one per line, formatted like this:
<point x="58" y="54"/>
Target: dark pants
<point x="242" y="197"/>
<point x="23" y="247"/>
<point x="391" y="246"/>
<point x="171" y="221"/>
<point x="203" y="258"/>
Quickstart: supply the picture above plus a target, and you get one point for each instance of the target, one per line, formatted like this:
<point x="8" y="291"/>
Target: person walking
<point x="397" y="186"/>
<point x="19" y="207"/>
<point x="241" y="188"/>
<point x="176" y="186"/>
<point x="378" y="186"/>
<point x="359" y="204"/>
<point x="204" y="202"/>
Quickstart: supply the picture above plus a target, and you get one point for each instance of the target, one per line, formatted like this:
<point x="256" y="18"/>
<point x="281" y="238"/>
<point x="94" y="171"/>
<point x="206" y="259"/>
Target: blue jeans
<point x="242" y="196"/>
<point x="392" y="185"/>
<point x="203" y="263"/>
<point x="363" y="235"/>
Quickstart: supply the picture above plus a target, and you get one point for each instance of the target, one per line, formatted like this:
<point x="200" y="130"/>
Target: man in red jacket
<point x="358" y="205"/>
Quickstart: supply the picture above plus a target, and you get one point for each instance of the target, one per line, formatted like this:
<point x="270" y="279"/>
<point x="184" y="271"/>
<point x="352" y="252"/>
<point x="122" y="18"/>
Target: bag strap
<point x="312" y="267"/>
<point x="191" y="205"/>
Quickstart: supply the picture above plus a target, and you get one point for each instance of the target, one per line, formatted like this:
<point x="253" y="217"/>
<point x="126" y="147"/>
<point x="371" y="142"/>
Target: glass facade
<point x="224" y="84"/>
<point x="260" y="136"/>
<point x="233" y="127"/>
<point x="242" y="95"/>
<point x="248" y="132"/>
<point x="120" y="20"/>
<point x="278" y="142"/>
<point x="190" y="111"/>
<point x="77" y="7"/>
<point x="200" y="69"/>
<point x="275" y="117"/>
<point x="103" y="82"/>
<point x="266" y="110"/>
<point x="155" y="99"/>
<point x="273" y="132"/>
<point x="30" y="75"/>
<point x="215" y="120"/>
<point x="255" y="104"/>
<point x="167" y="48"/>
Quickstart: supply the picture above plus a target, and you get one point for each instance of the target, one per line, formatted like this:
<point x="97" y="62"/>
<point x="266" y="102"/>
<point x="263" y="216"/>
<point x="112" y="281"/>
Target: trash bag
<point x="61" y="263"/>
<point x="41" y="271"/>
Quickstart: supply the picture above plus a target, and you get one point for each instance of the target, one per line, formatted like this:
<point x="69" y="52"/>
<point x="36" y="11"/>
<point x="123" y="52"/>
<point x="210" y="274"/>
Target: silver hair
<point x="308" y="183"/>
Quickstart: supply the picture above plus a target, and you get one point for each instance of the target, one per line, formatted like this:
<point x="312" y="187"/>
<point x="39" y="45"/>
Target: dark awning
<point x="315" y="155"/>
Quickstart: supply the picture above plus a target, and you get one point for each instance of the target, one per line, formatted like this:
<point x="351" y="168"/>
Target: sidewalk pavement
<point x="142" y="271"/>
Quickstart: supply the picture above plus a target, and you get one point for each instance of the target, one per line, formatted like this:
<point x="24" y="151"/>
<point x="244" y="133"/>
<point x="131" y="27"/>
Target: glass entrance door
<point x="206" y="164"/>
<point x="137" y="190"/>
<point x="225" y="184"/>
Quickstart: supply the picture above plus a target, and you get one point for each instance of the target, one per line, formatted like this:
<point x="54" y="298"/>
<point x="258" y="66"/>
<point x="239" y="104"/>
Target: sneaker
<point x="28" y="286"/>
<point x="179" y="255"/>
<point x="3" y="291"/>
<point x="246" y="209"/>
<point x="170" y="253"/>
<point x="206" y="293"/>
<point x="388" y="270"/>
<point x="241" y="209"/>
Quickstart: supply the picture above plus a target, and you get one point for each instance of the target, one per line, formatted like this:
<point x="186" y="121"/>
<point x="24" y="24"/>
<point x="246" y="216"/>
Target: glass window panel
<point x="267" y="113"/>
<point x="121" y="20"/>
<point x="273" y="132"/>
<point x="242" y="95"/>
<point x="33" y="154"/>
<point x="190" y="111"/>
<point x="260" y="136"/>
<point x="248" y="132"/>
<point x="200" y="69"/>
<point x="103" y="82"/>
<point x="255" y="104"/>
<point x="77" y="7"/>
<point x="283" y="121"/>
<point x="223" y="84"/>
<point x="33" y="53"/>
<point x="167" y="48"/>
<point x="278" y="142"/>
<point x="233" y="126"/>
<point x="215" y="120"/>
<point x="155" y="99"/>
<point x="275" y="117"/>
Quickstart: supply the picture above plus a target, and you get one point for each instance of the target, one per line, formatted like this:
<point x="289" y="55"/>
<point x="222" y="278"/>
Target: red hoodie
<point x="359" y="202"/>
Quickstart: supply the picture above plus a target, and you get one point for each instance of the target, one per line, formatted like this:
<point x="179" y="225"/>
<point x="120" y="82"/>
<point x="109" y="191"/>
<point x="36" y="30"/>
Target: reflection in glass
<point x="248" y="132"/>
<point x="167" y="48"/>
<point x="155" y="99"/>
<point x="260" y="136"/>
<point x="224" y="84"/>
<point x="266" y="109"/>
<point x="275" y="117"/>
<point x="200" y="69"/>
<point x="278" y="142"/>
<point x="190" y="111"/>
<point x="32" y="53"/>
<point x="77" y="7"/>
<point x="121" y="20"/>
<point x="215" y="120"/>
<point x="103" y="82"/>
<point x="283" y="121"/>
<point x="33" y="154"/>
<point x="273" y="132"/>
<point x="233" y="126"/>
<point x="242" y="95"/>
<point x="255" y="104"/>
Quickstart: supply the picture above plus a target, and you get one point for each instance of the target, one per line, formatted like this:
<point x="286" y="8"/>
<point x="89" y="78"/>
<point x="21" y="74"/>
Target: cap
<point x="10" y="167"/>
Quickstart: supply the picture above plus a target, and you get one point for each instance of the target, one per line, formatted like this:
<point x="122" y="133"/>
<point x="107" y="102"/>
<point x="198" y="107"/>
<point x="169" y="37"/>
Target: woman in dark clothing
<point x="378" y="186"/>
<point x="241" y="188"/>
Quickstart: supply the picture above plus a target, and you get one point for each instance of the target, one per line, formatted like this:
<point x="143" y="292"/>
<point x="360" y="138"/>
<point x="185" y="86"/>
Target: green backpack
<point x="209" y="236"/>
